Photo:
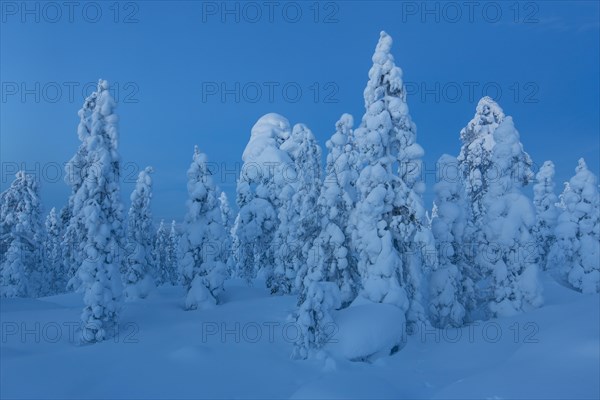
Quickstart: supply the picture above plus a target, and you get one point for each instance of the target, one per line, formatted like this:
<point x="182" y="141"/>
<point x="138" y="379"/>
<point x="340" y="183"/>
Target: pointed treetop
<point x="488" y="116"/>
<point x="581" y="165"/>
<point x="102" y="85"/>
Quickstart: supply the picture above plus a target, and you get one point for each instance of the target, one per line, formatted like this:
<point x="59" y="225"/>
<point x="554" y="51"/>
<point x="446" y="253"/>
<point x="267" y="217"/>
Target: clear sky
<point x="202" y="73"/>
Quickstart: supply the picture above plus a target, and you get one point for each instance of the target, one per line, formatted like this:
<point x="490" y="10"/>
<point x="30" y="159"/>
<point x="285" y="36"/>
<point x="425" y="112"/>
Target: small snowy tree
<point x="314" y="320"/>
<point x="21" y="271"/>
<point x="97" y="216"/>
<point x="508" y="253"/>
<point x="166" y="272"/>
<point x="203" y="256"/>
<point x="263" y="184"/>
<point x="54" y="264"/>
<point x="576" y="252"/>
<point x="140" y="267"/>
<point x="545" y="201"/>
<point x="172" y="257"/>
<point x="451" y="290"/>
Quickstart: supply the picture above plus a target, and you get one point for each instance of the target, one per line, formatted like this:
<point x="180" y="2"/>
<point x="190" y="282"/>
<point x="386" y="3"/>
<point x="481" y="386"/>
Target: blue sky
<point x="169" y="63"/>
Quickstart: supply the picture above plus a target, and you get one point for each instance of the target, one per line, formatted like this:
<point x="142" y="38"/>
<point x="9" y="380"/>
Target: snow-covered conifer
<point x="576" y="252"/>
<point x="544" y="200"/>
<point x="507" y="253"/>
<point x="140" y="267"/>
<point x="389" y="229"/>
<point x="96" y="221"/>
<point x="53" y="261"/>
<point x="203" y="256"/>
<point x="298" y="216"/>
<point x="263" y="184"/>
<point x="451" y="290"/>
<point x="21" y="270"/>
<point x="166" y="273"/>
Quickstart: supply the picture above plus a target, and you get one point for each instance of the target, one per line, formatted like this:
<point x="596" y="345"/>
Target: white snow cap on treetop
<point x="268" y="132"/>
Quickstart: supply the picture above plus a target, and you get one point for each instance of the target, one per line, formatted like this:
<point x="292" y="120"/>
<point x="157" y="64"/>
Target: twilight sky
<point x="202" y="72"/>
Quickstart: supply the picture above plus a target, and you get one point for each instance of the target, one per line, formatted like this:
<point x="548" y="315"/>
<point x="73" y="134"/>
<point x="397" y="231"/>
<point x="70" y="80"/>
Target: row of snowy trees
<point x="359" y="233"/>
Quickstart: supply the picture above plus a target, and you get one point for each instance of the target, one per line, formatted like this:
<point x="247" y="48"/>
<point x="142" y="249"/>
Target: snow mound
<point x="367" y="331"/>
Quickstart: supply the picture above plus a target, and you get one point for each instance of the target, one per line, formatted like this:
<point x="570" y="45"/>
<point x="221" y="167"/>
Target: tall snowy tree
<point x="140" y="267"/>
<point x="476" y="168"/>
<point x="390" y="229"/>
<point x="507" y="254"/>
<point x="97" y="216"/>
<point x="21" y="270"/>
<point x="451" y="289"/>
<point x="263" y="184"/>
<point x="546" y="212"/>
<point x="203" y="256"/>
<point x="299" y="221"/>
<point x="54" y="264"/>
<point x="576" y="252"/>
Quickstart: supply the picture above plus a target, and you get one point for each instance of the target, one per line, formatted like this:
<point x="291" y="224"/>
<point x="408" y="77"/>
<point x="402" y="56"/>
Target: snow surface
<point x="162" y="352"/>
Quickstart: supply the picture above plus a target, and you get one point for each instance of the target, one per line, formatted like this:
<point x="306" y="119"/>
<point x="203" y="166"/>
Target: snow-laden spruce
<point x="164" y="254"/>
<point x="227" y="219"/>
<point x="331" y="279"/>
<point x="97" y="216"/>
<point x="508" y="252"/>
<point x="498" y="245"/>
<point x="264" y="181"/>
<point x="332" y="250"/>
<point x="203" y="255"/>
<point x="22" y="272"/>
<point x="544" y="200"/>
<point x="451" y="289"/>
<point x="576" y="252"/>
<point x="298" y="218"/>
<point x="390" y="230"/>
<point x="140" y="269"/>
<point x="54" y="264"/>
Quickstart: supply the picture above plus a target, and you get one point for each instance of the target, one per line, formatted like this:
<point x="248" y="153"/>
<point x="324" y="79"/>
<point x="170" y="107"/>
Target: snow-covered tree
<point x="451" y="289"/>
<point x="21" y="270"/>
<point x="203" y="256"/>
<point x="263" y="184"/>
<point x="96" y="219"/>
<point x="227" y="219"/>
<point x="172" y="256"/>
<point x="507" y="253"/>
<point x="389" y="225"/>
<point x="546" y="212"/>
<point x="299" y="220"/>
<point x="226" y="213"/>
<point x="140" y="267"/>
<point x="314" y="320"/>
<point x="54" y="264"/>
<point x="163" y="252"/>
<point x="332" y="250"/>
<point x="576" y="252"/>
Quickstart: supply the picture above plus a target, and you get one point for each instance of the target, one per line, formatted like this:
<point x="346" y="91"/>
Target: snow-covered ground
<point x="242" y="348"/>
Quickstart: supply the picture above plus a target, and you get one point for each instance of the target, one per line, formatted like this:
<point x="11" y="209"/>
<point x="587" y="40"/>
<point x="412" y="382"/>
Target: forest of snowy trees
<point x="356" y="232"/>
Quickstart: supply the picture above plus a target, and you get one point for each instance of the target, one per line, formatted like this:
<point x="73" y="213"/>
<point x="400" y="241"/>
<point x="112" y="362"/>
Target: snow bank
<point x="366" y="331"/>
